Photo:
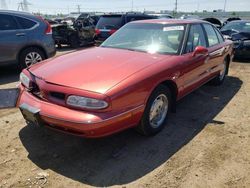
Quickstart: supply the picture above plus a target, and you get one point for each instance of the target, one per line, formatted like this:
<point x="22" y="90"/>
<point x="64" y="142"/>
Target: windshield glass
<point x="237" y="26"/>
<point x="151" y="38"/>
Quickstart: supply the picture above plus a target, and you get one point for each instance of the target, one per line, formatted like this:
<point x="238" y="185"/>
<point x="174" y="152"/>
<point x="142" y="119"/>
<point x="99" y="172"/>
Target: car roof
<point x="239" y="21"/>
<point x="126" y="14"/>
<point x="171" y="21"/>
<point x="21" y="14"/>
<point x="15" y="12"/>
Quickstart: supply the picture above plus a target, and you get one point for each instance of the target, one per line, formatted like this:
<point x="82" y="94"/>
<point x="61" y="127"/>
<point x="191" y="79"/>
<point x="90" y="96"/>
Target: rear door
<point x="194" y="71"/>
<point x="216" y="50"/>
<point x="11" y="38"/>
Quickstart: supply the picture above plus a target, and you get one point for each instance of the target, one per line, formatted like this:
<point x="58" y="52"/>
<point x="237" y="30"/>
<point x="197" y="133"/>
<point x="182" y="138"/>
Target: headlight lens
<point x="25" y="80"/>
<point x="84" y="102"/>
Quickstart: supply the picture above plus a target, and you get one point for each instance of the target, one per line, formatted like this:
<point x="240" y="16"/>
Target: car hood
<point x="97" y="69"/>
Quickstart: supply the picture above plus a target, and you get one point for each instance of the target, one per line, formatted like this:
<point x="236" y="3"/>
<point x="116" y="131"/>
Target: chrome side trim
<point x="87" y="122"/>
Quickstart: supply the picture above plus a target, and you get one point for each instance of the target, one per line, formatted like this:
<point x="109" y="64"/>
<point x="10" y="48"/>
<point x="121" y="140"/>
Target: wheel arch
<point x="31" y="46"/>
<point x="173" y="89"/>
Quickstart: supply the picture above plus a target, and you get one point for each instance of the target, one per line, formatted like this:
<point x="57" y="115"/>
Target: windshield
<point x="237" y="26"/>
<point x="151" y="38"/>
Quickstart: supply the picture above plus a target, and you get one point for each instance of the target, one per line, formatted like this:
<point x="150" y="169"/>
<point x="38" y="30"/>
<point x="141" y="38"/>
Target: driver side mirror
<point x="200" y="50"/>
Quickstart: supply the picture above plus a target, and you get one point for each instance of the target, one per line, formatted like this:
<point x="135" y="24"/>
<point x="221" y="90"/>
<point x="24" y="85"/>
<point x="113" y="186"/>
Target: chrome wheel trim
<point x="32" y="58"/>
<point x="223" y="72"/>
<point x="158" y="111"/>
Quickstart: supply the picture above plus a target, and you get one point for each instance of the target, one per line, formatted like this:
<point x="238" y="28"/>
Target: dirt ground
<point x="205" y="144"/>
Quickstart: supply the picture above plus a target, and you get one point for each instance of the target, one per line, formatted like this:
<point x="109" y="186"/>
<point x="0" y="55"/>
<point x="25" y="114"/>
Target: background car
<point x="239" y="33"/>
<point x="227" y="20"/>
<point x="108" y="24"/>
<point x="24" y="39"/>
<point x="129" y="81"/>
<point x="216" y="22"/>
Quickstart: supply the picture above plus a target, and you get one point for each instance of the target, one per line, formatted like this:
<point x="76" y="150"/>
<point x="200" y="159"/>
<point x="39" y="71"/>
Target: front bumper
<point x="242" y="50"/>
<point x="81" y="123"/>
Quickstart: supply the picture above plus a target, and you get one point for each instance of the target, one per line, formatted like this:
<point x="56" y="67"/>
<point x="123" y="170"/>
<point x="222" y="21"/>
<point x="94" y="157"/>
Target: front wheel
<point x="74" y="41"/>
<point x="156" y="111"/>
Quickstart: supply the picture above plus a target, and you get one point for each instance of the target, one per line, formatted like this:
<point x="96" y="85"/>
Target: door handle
<point x="20" y="34"/>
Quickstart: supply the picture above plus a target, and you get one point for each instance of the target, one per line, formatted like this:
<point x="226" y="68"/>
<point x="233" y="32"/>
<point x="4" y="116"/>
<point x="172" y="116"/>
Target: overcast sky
<point x="65" y="6"/>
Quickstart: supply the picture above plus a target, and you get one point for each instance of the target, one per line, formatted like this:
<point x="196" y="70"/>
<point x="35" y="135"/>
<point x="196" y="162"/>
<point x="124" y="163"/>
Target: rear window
<point x="237" y="26"/>
<point x="109" y="22"/>
<point x="25" y="23"/>
<point x="211" y="35"/>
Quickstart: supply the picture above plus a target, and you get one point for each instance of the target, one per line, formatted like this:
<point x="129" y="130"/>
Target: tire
<point x="218" y="80"/>
<point x="30" y="56"/>
<point x="73" y="41"/>
<point x="147" y="126"/>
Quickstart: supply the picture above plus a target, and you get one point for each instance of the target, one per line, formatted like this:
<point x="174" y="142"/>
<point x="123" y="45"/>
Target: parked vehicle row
<point x="133" y="80"/>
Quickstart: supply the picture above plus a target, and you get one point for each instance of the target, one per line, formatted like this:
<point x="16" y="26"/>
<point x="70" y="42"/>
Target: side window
<point x="25" y="23"/>
<point x="221" y="39"/>
<point x="7" y="22"/>
<point x="196" y="38"/>
<point x="211" y="35"/>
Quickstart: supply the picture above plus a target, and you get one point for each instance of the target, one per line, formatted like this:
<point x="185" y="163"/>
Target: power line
<point x="23" y="6"/>
<point x="3" y="4"/>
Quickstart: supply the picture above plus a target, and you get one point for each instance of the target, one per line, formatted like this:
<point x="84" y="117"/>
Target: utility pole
<point x="23" y="6"/>
<point x="225" y="5"/>
<point x="176" y="7"/>
<point x="79" y="8"/>
<point x="132" y="5"/>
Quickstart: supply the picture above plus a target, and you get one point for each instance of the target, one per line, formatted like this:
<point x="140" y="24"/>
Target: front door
<point x="194" y="68"/>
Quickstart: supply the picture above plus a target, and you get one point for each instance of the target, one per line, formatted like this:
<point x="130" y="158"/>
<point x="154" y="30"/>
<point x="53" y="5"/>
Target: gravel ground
<point x="206" y="144"/>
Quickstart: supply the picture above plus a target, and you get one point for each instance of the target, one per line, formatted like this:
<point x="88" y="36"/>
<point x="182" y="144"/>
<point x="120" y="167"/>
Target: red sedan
<point x="132" y="80"/>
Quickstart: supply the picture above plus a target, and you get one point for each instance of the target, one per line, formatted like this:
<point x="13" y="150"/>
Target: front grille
<point x="57" y="95"/>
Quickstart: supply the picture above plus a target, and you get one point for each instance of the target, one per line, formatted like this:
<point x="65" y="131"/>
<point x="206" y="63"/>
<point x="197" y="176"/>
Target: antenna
<point x="3" y="4"/>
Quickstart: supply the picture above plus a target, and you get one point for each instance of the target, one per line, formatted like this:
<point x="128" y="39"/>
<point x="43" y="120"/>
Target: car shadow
<point x="241" y="60"/>
<point x="126" y="157"/>
<point x="9" y="74"/>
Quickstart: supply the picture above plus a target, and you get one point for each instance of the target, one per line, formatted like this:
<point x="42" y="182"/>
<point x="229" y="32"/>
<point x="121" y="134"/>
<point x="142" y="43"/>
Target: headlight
<point x="247" y="42"/>
<point x="25" y="80"/>
<point x="84" y="102"/>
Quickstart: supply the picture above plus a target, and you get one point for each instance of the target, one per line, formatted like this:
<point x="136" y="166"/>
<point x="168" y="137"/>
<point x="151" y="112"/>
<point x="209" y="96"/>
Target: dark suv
<point x="25" y="39"/>
<point x="108" y="24"/>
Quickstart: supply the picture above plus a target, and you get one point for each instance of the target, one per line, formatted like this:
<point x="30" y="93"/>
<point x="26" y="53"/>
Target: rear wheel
<point x="218" y="80"/>
<point x="73" y="41"/>
<point x="156" y="111"/>
<point x="31" y="56"/>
